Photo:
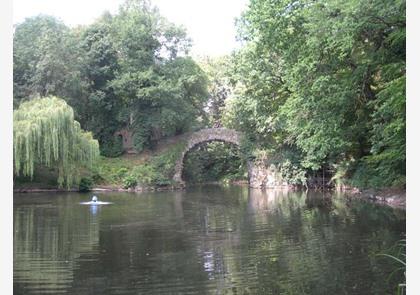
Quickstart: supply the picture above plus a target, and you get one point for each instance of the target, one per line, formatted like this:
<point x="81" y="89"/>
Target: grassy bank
<point x="147" y="169"/>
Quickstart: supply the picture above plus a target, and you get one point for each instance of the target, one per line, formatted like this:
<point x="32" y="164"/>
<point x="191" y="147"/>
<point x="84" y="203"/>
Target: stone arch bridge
<point x="202" y="136"/>
<point x="260" y="174"/>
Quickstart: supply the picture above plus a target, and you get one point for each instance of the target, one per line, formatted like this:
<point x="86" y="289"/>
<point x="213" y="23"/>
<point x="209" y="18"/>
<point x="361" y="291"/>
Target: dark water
<point x="208" y="240"/>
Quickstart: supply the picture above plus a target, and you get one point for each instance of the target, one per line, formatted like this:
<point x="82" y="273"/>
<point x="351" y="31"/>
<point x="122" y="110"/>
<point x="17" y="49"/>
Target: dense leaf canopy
<point x="327" y="80"/>
<point x="319" y="86"/>
<point x="45" y="133"/>
<point x="129" y="70"/>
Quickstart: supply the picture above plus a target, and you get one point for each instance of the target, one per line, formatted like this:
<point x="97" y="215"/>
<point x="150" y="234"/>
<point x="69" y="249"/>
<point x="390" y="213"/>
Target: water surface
<point x="206" y="240"/>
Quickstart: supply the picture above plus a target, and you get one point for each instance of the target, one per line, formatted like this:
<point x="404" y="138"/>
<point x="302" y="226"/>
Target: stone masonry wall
<point x="259" y="174"/>
<point x="263" y="176"/>
<point x="205" y="135"/>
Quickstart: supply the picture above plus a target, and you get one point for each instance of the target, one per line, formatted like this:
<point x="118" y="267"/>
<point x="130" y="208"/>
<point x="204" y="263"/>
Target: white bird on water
<point x="95" y="201"/>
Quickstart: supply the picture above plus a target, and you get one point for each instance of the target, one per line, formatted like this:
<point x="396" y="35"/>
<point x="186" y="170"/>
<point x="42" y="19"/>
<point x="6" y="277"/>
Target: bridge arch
<point x="202" y="136"/>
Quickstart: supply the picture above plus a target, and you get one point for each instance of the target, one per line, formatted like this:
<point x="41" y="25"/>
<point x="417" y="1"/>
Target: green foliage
<point x="96" y="103"/>
<point x="159" y="170"/>
<point x="165" y="162"/>
<point x="398" y="256"/>
<point x="374" y="172"/>
<point x="248" y="147"/>
<point x="342" y="172"/>
<point x="323" y="80"/>
<point x="130" y="181"/>
<point x="132" y="170"/>
<point x="288" y="161"/>
<point x="85" y="184"/>
<point x="217" y="70"/>
<point x="328" y="79"/>
<point x="122" y="172"/>
<point x="292" y="174"/>
<point x="214" y="161"/>
<point x="45" y="133"/>
<point x="145" y="174"/>
<point x="128" y="70"/>
<point x="141" y="139"/>
<point x="39" y="58"/>
<point x="112" y="147"/>
<point x="162" y="92"/>
<point x="111" y="171"/>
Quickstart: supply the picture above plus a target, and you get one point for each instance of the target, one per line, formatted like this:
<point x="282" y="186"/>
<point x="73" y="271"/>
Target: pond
<point x="205" y="240"/>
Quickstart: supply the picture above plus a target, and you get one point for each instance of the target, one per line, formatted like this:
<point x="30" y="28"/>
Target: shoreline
<point x="395" y="198"/>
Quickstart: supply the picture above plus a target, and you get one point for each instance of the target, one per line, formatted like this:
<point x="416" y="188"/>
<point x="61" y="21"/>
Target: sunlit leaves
<point x="331" y="74"/>
<point x="45" y="133"/>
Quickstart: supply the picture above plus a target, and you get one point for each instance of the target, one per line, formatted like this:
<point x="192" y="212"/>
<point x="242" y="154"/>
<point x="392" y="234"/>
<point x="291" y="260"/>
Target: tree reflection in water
<point x="207" y="239"/>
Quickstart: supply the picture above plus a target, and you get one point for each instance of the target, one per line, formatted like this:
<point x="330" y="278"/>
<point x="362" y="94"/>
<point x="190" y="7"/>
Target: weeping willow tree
<point x="45" y="133"/>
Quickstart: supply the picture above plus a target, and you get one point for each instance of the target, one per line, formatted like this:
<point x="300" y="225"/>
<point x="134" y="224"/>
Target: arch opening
<point x="203" y="136"/>
<point x="214" y="161"/>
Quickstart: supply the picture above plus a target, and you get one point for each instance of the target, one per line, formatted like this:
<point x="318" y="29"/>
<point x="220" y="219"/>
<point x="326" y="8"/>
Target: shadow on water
<point x="206" y="240"/>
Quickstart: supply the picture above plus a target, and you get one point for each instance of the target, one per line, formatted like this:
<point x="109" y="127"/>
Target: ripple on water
<point x="216" y="241"/>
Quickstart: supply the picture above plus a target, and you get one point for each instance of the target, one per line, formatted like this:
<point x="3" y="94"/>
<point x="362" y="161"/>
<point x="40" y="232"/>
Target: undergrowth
<point x="133" y="170"/>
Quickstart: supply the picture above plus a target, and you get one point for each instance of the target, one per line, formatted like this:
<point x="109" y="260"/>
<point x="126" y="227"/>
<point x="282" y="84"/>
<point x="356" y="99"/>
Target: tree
<point x="217" y="70"/>
<point x="45" y="133"/>
<point x="128" y="70"/>
<point x="162" y="91"/>
<point x="43" y="62"/>
<point x="327" y="77"/>
<point x="97" y="106"/>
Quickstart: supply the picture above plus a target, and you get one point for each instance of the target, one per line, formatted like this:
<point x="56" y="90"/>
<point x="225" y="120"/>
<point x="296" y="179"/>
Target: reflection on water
<point x="207" y="240"/>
